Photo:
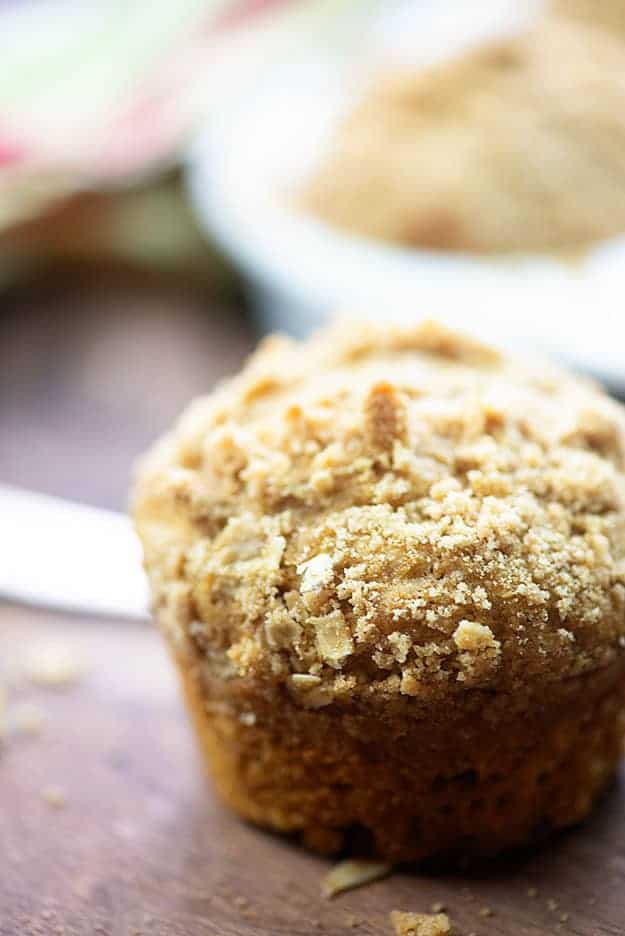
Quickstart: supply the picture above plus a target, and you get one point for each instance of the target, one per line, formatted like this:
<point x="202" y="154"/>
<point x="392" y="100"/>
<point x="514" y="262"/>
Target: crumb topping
<point x="420" y="924"/>
<point x="390" y="512"/>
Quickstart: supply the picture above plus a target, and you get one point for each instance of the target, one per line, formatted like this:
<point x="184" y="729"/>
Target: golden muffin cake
<point x="516" y="146"/>
<point x="390" y="566"/>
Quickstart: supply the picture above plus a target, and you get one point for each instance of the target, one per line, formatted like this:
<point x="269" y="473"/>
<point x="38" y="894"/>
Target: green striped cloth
<point x="97" y="94"/>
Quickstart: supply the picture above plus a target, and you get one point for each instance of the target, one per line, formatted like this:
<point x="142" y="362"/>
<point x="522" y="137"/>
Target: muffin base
<point x="484" y="774"/>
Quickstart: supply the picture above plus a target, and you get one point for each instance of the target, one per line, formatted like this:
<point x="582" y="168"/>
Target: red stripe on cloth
<point x="10" y="153"/>
<point x="244" y="10"/>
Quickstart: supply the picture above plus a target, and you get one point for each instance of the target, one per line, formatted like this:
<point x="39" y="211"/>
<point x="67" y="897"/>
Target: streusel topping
<point x="387" y="511"/>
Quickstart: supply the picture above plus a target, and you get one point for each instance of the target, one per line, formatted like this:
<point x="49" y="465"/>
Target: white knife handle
<point x="69" y="556"/>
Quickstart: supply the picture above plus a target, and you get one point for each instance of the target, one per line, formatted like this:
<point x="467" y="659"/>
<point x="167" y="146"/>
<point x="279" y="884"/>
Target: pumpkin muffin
<point x="512" y="147"/>
<point x="390" y="566"/>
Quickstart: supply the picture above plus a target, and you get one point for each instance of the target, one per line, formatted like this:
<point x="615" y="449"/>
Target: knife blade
<point x="72" y="557"/>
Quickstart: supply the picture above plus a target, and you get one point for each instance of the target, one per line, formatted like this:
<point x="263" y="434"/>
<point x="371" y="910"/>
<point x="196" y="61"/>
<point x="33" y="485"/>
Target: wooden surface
<point x="140" y="845"/>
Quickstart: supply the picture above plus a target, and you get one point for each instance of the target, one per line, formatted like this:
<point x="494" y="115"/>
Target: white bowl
<point x="242" y="176"/>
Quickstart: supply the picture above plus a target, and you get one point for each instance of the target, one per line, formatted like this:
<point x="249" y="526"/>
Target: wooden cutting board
<point x="141" y="846"/>
<point x="89" y="372"/>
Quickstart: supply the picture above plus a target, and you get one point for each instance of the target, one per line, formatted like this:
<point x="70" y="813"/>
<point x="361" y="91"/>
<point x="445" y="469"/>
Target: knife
<point x="70" y="557"/>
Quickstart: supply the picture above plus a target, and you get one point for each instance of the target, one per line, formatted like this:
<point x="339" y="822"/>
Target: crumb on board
<point x="552" y="905"/>
<point x="438" y="907"/>
<point x="420" y="924"/>
<point x="27" y="718"/>
<point x="54" y="664"/>
<point x="54" y="796"/>
<point x="352" y="873"/>
<point x="486" y="911"/>
<point x="532" y="892"/>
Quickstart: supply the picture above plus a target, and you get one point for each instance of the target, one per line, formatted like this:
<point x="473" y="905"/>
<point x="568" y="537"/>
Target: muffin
<point x="514" y="146"/>
<point x="390" y="566"/>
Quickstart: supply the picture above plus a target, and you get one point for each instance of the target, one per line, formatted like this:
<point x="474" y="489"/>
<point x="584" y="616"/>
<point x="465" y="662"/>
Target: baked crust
<point x="385" y="559"/>
<point x="412" y="782"/>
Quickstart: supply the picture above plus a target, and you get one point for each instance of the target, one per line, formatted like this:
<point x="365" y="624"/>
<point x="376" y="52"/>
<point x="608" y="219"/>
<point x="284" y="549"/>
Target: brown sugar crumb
<point x="438" y="907"/>
<point x="389" y="174"/>
<point x="564" y="918"/>
<point x="385" y="416"/>
<point x="480" y="651"/>
<point x="352" y="921"/>
<point x="420" y="924"/>
<point x="532" y="892"/>
<point x="552" y="905"/>
<point x="486" y="911"/>
<point x="54" y="796"/>
<point x="352" y="873"/>
<point x="54" y="665"/>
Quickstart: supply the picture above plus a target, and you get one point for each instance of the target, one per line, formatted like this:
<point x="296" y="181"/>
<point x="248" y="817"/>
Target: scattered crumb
<point x="54" y="796"/>
<point x="532" y="892"/>
<point x="27" y="718"/>
<point x="552" y="905"/>
<point x="352" y="873"/>
<point x="438" y="907"/>
<point x="55" y="665"/>
<point x="241" y="901"/>
<point x="564" y="918"/>
<point x="352" y="921"/>
<point x="486" y="911"/>
<point x="420" y="924"/>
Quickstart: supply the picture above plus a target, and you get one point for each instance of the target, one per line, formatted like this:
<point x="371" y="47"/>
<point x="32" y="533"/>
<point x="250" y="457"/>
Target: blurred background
<point x="176" y="179"/>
